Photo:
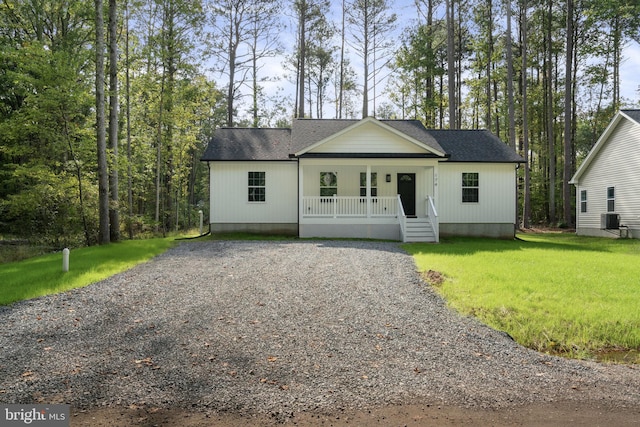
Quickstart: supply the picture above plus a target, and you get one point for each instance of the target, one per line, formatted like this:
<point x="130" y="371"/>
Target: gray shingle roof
<point x="234" y="144"/>
<point x="474" y="146"/>
<point x="633" y="114"/>
<point x="249" y="144"/>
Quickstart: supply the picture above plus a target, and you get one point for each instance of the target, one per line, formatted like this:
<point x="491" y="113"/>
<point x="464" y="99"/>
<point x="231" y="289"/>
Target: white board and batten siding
<point x="496" y="193"/>
<point x="616" y="164"/>
<point x="368" y="138"/>
<point x="229" y="192"/>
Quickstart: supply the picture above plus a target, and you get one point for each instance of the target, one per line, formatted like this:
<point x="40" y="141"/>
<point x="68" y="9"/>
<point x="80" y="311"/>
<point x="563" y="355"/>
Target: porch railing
<point x="433" y="217"/>
<point x="349" y="206"/>
<point x="402" y="219"/>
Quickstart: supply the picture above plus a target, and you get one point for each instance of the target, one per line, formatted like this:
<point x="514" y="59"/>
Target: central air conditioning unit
<point x="609" y="221"/>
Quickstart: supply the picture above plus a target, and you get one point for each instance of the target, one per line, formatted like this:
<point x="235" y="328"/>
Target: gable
<point x="624" y="133"/>
<point x="368" y="138"/>
<point x="364" y="137"/>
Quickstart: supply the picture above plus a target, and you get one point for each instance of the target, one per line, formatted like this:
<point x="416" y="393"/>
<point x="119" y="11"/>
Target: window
<point x="328" y="184"/>
<point x="363" y="184"/>
<point x="257" y="187"/>
<point x="611" y="199"/>
<point x="583" y="201"/>
<point x="470" y="190"/>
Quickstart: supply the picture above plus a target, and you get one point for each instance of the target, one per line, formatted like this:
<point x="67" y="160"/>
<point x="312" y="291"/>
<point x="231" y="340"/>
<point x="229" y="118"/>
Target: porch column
<point x="301" y="212"/>
<point x="368" y="191"/>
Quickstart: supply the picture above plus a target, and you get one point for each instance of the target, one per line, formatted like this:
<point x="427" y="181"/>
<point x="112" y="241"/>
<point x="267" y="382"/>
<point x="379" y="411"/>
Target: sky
<point x="407" y="16"/>
<point x="630" y="73"/>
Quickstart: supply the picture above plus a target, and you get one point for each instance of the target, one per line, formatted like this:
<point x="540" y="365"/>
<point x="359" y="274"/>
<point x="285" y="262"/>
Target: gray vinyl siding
<point x="617" y="164"/>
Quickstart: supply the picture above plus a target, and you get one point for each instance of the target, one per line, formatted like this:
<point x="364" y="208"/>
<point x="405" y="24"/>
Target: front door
<point x="407" y="192"/>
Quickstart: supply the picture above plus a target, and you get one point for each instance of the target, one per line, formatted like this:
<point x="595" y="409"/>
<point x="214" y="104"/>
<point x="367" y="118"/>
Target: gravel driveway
<point x="276" y="328"/>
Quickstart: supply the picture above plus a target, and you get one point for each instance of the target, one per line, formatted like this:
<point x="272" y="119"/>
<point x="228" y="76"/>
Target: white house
<point x="369" y="178"/>
<point x="607" y="181"/>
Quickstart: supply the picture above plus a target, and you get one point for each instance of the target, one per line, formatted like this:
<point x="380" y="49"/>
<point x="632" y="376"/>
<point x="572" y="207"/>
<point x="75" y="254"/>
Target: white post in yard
<point x="65" y="260"/>
<point x="201" y="219"/>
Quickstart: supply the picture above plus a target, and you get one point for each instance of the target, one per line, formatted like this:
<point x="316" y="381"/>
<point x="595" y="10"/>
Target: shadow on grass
<point x="561" y="242"/>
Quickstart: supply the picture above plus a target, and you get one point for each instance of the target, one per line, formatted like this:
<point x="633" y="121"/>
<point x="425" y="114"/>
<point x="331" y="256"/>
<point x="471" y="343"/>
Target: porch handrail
<point x="433" y="217"/>
<point x="349" y="206"/>
<point x="402" y="218"/>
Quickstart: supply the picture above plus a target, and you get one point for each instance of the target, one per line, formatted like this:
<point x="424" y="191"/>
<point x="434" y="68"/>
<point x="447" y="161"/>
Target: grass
<point x="555" y="293"/>
<point x="43" y="275"/>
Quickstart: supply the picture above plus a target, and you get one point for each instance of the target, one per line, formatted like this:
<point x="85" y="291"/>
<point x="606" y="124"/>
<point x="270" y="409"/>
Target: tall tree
<point x="431" y="59"/>
<point x="451" y="67"/>
<point x="524" y="46"/>
<point x="302" y="9"/>
<point x="341" y="84"/>
<point x="420" y="67"/>
<point x="244" y="32"/>
<point x="549" y="104"/>
<point x="231" y="25"/>
<point x="568" y="117"/>
<point x="264" y="42"/>
<point x="114" y="205"/>
<point x="371" y="23"/>
<point x="103" y="172"/>
<point x="510" y="96"/>
<point x="310" y="16"/>
<point x="127" y="96"/>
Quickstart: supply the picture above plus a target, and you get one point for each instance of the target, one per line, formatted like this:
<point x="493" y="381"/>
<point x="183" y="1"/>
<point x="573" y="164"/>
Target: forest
<point x="106" y="107"/>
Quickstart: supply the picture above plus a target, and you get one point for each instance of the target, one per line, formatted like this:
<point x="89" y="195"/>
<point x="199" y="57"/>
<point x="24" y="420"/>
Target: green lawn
<point x="556" y="293"/>
<point x="43" y="275"/>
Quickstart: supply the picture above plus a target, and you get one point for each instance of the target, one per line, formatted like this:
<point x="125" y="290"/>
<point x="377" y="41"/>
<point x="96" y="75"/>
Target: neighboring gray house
<point x="608" y="181"/>
<point x="369" y="178"/>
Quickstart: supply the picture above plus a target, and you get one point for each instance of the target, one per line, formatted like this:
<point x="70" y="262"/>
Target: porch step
<point x="419" y="230"/>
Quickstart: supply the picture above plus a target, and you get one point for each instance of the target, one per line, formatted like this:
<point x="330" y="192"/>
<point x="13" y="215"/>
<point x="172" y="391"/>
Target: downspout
<point x="209" y="169"/>
<point x="517" y="222"/>
<point x="298" y="191"/>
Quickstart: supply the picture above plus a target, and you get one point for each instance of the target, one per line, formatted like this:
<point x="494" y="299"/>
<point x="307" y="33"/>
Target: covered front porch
<point x="368" y="198"/>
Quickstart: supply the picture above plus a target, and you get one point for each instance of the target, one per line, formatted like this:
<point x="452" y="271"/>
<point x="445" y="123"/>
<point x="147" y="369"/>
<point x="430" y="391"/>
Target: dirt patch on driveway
<point x="552" y="414"/>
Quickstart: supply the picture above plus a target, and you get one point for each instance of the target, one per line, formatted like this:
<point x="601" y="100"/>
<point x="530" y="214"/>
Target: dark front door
<point x="407" y="192"/>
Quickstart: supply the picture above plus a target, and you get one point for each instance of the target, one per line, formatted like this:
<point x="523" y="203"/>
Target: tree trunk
<point x="103" y="170"/>
<point x="302" y="52"/>
<point x="568" y="118"/>
<point x="365" y="82"/>
<point x="451" y="65"/>
<point x="232" y="75"/>
<point x="341" y="89"/>
<point x="128" y="118"/>
<point x="526" y="214"/>
<point x="550" y="116"/>
<point x="617" y="40"/>
<point x="489" y="20"/>
<point x="114" y="210"/>
<point x="512" y="120"/>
